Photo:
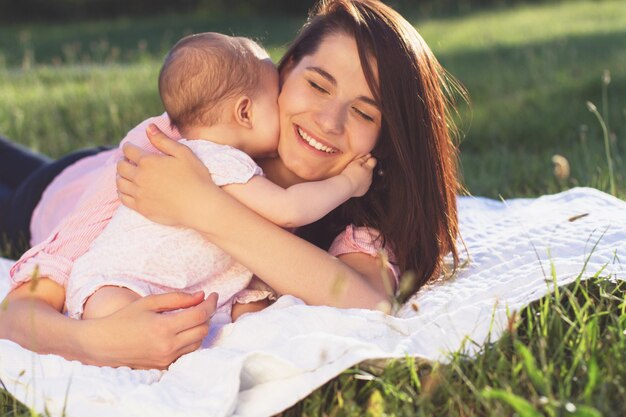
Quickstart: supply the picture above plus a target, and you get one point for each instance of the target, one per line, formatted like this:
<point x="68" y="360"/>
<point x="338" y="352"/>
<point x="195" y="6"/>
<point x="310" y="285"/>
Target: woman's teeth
<point x="315" y="143"/>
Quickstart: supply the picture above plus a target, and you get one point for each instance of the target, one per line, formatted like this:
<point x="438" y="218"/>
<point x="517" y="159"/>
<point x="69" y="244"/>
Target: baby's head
<point x="211" y="79"/>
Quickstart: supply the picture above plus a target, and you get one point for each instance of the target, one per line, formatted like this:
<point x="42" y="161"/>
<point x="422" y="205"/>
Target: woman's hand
<point x="151" y="332"/>
<point x="163" y="187"/>
<point x="145" y="334"/>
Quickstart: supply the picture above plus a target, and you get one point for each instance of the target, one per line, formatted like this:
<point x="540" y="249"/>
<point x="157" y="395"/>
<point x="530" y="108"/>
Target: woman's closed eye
<point x="317" y="87"/>
<point x="363" y="115"/>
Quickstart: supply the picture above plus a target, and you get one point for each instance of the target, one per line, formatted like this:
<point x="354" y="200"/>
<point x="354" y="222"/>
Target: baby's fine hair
<point x="204" y="70"/>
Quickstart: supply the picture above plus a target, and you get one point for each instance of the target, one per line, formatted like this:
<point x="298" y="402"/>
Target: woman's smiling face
<point x="328" y="115"/>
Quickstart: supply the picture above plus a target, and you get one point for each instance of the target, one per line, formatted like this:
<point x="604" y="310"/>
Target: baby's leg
<point x="107" y="300"/>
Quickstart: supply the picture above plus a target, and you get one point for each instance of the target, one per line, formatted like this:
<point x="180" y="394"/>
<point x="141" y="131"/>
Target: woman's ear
<point x="243" y="112"/>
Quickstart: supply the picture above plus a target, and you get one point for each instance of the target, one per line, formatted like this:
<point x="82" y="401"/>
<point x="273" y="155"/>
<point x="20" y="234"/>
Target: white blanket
<point x="268" y="361"/>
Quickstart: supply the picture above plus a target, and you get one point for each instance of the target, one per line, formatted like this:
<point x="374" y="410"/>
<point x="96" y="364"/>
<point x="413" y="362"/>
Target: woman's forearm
<point x="36" y="324"/>
<point x="303" y="269"/>
<point x="137" y="336"/>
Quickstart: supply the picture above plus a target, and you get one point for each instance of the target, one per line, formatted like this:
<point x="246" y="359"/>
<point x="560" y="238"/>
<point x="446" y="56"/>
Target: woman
<point x="357" y="79"/>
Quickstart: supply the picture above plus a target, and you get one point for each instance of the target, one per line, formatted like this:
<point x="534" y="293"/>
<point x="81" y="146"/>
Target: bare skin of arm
<point x="372" y="271"/>
<point x="368" y="266"/>
<point x="137" y="336"/>
<point x="306" y="202"/>
<point x="306" y="272"/>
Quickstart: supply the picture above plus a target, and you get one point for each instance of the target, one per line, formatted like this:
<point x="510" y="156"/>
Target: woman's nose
<point x="331" y="118"/>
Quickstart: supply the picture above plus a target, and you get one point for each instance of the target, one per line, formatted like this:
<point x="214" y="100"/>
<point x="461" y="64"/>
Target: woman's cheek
<point x="369" y="136"/>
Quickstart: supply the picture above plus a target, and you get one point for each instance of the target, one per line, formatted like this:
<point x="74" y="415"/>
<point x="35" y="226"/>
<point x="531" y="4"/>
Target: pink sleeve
<point x="137" y="135"/>
<point x="363" y="240"/>
<point x="71" y="238"/>
<point x="256" y="290"/>
<point x="55" y="256"/>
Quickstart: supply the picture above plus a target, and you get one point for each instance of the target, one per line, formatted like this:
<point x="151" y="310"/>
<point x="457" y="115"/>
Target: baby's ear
<point x="243" y="111"/>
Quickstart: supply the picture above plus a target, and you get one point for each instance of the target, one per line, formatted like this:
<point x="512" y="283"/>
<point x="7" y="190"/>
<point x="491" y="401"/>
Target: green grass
<point x="529" y="72"/>
<point x="128" y="39"/>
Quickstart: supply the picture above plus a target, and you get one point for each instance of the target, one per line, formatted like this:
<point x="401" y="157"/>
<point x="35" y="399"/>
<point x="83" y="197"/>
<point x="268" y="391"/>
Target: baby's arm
<point x="306" y="202"/>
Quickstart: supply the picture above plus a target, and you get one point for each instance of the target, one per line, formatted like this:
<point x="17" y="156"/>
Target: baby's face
<point x="265" y="132"/>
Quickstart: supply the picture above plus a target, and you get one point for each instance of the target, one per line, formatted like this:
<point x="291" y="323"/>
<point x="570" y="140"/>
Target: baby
<point x="221" y="93"/>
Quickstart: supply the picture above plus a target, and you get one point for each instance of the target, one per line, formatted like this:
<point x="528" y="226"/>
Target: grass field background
<point x="529" y="71"/>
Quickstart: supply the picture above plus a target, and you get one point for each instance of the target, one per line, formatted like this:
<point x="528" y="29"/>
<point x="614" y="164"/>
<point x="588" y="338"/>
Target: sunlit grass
<point x="529" y="72"/>
<point x="56" y="110"/>
<point x="523" y="26"/>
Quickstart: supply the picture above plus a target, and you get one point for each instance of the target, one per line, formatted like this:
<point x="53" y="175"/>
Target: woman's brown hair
<point x="413" y="202"/>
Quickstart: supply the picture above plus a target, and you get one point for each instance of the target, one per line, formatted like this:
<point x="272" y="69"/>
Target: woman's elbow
<point x="374" y="300"/>
<point x="382" y="304"/>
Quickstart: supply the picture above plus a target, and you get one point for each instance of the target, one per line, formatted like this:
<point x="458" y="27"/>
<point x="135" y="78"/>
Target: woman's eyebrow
<point x="369" y="101"/>
<point x="324" y="74"/>
<point x="333" y="81"/>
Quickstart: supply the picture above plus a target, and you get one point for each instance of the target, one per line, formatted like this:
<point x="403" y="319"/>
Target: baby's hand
<point x="359" y="173"/>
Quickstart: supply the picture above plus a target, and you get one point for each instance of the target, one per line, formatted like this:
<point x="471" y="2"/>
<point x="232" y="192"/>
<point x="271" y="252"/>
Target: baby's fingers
<point x="370" y="163"/>
<point x="362" y="160"/>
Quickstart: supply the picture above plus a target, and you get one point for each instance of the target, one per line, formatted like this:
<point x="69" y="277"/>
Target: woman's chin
<point x="306" y="172"/>
<point x="307" y="165"/>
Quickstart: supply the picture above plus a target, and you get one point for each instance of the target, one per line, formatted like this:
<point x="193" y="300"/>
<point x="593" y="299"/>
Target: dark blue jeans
<point x="24" y="175"/>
